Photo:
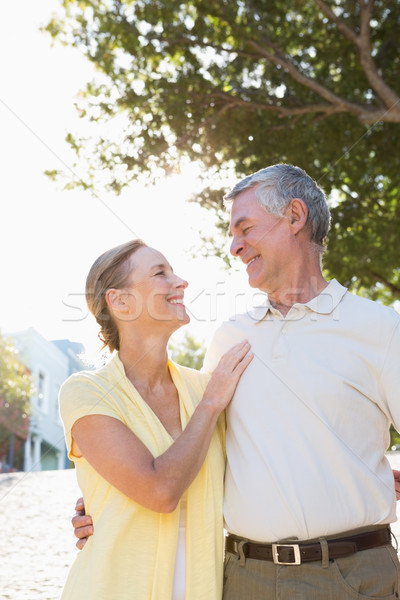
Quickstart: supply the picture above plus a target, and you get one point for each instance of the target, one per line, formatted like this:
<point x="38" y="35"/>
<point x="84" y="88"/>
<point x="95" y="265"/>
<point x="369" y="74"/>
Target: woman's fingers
<point x="235" y="355"/>
<point x="231" y="366"/>
<point x="80" y="506"/>
<point x="244" y="362"/>
<point x="225" y="378"/>
<point x="80" y="543"/>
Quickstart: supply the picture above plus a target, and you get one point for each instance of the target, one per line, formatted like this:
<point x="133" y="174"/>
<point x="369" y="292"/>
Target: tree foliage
<point x="189" y="352"/>
<point x="247" y="83"/>
<point x="394" y="439"/>
<point x="15" y="392"/>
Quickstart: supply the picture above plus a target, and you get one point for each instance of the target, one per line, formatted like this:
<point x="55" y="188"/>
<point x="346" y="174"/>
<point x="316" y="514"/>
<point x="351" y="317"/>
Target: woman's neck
<point x="145" y="359"/>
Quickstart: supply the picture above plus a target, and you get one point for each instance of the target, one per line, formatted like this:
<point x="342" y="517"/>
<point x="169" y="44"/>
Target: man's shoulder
<point x="373" y="308"/>
<point x="235" y="329"/>
<point x="239" y="322"/>
<point x="247" y="318"/>
<point x="370" y="317"/>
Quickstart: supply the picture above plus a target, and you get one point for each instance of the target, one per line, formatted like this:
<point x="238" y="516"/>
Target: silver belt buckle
<point x="296" y="550"/>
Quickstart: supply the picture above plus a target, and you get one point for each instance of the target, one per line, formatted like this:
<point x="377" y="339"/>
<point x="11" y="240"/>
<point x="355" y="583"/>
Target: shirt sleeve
<point x="390" y="378"/>
<point x="80" y="396"/>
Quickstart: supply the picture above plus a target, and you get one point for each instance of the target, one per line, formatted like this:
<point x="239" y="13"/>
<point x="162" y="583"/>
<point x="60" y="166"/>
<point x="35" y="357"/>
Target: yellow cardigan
<point x="132" y="553"/>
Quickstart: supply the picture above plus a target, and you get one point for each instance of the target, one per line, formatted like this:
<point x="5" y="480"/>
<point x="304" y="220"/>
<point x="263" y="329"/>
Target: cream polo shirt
<point x="309" y="424"/>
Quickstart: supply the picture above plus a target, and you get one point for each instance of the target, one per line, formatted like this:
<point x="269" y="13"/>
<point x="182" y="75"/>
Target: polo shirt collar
<point x="323" y="304"/>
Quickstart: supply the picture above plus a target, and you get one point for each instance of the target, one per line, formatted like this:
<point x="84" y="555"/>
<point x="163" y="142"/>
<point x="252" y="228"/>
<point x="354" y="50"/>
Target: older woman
<point x="146" y="437"/>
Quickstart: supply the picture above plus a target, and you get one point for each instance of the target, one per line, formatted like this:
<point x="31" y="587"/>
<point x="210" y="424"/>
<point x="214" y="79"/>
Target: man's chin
<point x="253" y="282"/>
<point x="257" y="284"/>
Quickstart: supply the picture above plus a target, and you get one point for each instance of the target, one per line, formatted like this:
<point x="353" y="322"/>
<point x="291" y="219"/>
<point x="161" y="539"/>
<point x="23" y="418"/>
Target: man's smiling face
<point x="260" y="240"/>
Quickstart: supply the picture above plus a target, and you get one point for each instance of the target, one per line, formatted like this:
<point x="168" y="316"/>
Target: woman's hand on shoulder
<point x="224" y="380"/>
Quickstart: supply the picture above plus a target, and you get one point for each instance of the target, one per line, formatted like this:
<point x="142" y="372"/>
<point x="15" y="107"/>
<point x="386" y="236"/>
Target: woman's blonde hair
<point x="108" y="271"/>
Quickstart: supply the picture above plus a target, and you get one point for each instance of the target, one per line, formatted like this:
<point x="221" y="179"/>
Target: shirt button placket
<point x="281" y="344"/>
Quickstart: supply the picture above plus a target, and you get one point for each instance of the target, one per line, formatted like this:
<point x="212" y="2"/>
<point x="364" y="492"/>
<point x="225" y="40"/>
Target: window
<point x="41" y="389"/>
<point x="55" y="404"/>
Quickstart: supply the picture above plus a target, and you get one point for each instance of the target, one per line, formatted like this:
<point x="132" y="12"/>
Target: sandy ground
<point x="37" y="545"/>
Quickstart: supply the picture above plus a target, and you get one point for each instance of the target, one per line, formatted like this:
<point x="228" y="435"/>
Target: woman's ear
<point x="123" y="305"/>
<point x="297" y="213"/>
<point x="116" y="300"/>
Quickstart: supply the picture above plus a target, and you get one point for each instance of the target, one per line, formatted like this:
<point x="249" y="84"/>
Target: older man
<point x="308" y="491"/>
<point x="309" y="494"/>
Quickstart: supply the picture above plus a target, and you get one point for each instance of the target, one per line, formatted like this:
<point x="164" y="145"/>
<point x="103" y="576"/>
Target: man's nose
<point x="236" y="247"/>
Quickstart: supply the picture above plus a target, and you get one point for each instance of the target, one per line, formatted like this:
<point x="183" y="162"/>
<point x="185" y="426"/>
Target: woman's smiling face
<point x="155" y="291"/>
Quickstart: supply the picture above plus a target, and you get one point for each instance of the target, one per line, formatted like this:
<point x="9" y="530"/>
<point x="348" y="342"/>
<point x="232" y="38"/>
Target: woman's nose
<point x="182" y="283"/>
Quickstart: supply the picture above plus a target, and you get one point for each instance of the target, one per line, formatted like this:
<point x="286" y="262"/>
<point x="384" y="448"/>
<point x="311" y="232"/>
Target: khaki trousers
<point x="367" y="574"/>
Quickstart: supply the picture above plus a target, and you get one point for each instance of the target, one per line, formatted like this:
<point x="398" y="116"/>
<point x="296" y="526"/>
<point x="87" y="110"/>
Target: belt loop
<point x="394" y="538"/>
<point x="242" y="558"/>
<point x="324" y="553"/>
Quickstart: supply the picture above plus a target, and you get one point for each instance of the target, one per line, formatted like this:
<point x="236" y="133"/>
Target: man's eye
<point x="160" y="273"/>
<point x="245" y="229"/>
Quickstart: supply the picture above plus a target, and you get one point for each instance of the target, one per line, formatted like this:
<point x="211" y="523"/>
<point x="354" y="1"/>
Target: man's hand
<point x="83" y="524"/>
<point x="396" y="475"/>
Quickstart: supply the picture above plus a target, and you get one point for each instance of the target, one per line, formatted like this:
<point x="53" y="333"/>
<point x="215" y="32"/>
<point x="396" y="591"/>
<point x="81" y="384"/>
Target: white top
<point x="308" y="427"/>
<point x="179" y="583"/>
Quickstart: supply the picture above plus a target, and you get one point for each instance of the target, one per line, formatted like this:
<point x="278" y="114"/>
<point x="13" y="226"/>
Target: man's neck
<point x="298" y="292"/>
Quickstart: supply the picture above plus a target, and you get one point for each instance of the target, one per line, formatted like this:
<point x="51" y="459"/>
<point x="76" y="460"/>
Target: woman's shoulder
<point x="191" y="376"/>
<point x="84" y="378"/>
<point x="90" y="392"/>
<point x="88" y="381"/>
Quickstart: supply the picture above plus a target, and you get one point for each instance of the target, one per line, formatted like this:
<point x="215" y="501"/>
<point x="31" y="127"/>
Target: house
<point x="50" y="364"/>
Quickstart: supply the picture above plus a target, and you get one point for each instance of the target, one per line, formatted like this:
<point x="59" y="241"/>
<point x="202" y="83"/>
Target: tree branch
<point x="365" y="114"/>
<point x="362" y="42"/>
<point x="391" y="286"/>
<point x="282" y="111"/>
<point x="337" y="104"/>
<point x="283" y="61"/>
<point x="347" y="32"/>
<point x="385" y="93"/>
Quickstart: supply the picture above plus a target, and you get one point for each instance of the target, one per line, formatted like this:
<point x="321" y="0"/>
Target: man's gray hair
<point x="277" y="185"/>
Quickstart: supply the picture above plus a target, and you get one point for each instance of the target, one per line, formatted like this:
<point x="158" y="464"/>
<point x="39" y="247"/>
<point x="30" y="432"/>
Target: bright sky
<point x="50" y="237"/>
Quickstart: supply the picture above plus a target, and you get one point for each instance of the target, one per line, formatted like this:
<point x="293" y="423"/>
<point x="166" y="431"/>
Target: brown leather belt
<point x="297" y="553"/>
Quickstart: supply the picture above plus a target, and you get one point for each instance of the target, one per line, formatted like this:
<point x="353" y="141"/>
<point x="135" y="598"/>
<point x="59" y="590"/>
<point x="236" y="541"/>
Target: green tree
<point x="189" y="352"/>
<point x="15" y="393"/>
<point x="245" y="83"/>
<point x="394" y="438"/>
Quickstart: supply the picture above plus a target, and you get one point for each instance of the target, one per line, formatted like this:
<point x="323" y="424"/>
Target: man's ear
<point x="297" y="213"/>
